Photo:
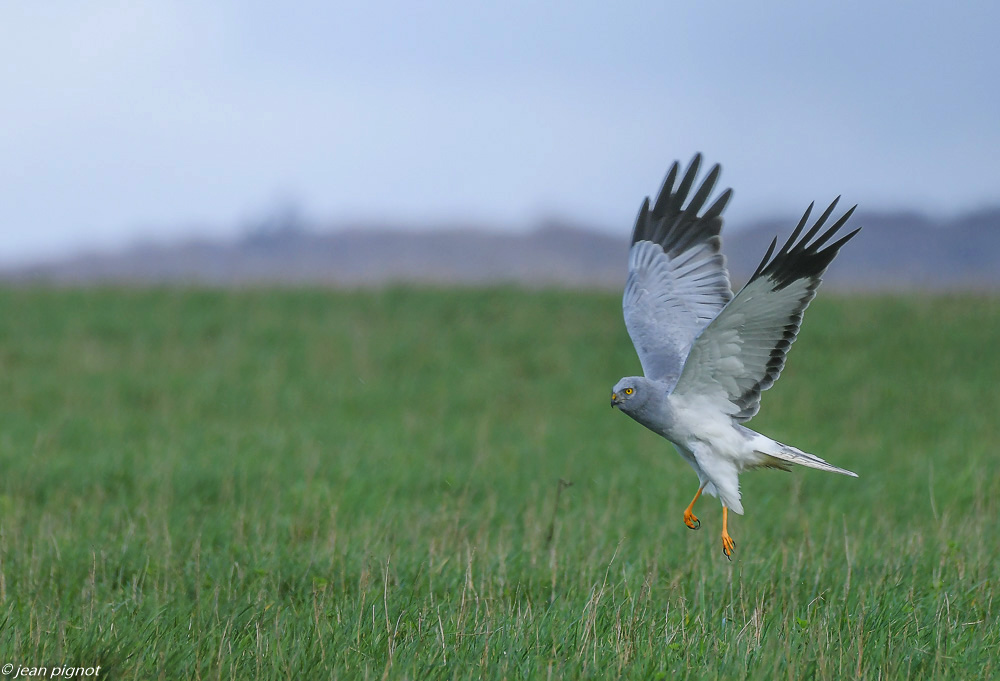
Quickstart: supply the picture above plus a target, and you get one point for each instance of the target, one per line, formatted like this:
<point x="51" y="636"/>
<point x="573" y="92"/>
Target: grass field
<point x="312" y="484"/>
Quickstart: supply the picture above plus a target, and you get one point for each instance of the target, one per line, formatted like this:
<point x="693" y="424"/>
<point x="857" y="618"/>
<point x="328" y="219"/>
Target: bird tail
<point x="772" y="449"/>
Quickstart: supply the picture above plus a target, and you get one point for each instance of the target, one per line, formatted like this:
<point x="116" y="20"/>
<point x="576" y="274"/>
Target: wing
<point x="677" y="280"/>
<point x="742" y="352"/>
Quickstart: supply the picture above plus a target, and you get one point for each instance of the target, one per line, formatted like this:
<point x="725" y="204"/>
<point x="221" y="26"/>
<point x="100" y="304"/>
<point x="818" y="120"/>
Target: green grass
<point x="312" y="484"/>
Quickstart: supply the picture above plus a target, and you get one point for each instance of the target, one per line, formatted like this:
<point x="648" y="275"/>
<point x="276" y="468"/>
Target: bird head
<point x="626" y="393"/>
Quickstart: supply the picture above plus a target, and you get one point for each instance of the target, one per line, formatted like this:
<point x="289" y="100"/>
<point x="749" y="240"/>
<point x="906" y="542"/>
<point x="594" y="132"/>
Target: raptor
<point x="707" y="354"/>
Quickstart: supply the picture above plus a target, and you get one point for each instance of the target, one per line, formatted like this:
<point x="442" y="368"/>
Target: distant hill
<point x="894" y="251"/>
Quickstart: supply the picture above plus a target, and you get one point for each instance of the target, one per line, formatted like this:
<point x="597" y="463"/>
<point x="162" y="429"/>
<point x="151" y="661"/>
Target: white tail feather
<point x="796" y="456"/>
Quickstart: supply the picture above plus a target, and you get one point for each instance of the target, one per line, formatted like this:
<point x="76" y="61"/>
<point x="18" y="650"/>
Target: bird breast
<point x="700" y="421"/>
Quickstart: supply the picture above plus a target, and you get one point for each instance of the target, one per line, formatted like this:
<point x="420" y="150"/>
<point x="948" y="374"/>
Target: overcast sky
<point x="156" y="119"/>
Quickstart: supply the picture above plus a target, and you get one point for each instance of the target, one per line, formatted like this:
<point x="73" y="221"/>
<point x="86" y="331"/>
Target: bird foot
<point x="691" y="520"/>
<point x="728" y="545"/>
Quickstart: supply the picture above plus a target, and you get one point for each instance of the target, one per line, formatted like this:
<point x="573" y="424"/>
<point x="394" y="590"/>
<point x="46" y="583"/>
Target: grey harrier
<point x="706" y="354"/>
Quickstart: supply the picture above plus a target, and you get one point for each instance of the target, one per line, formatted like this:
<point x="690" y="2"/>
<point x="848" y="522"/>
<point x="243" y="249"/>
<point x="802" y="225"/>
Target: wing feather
<point x="677" y="279"/>
<point x="742" y="351"/>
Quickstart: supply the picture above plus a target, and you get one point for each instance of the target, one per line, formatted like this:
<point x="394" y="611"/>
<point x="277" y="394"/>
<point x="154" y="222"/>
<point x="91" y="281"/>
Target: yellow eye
<point x="628" y="391"/>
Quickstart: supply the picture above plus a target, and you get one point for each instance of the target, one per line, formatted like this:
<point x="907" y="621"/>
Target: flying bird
<point x="706" y="354"/>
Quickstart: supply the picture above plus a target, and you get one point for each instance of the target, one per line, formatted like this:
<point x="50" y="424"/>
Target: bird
<point x="707" y="354"/>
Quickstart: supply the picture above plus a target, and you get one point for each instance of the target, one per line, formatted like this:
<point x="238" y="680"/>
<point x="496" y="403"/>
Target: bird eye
<point x="628" y="391"/>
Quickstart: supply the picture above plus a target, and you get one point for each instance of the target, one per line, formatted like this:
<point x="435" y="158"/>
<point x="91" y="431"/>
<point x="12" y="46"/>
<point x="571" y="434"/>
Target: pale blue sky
<point x="154" y="119"/>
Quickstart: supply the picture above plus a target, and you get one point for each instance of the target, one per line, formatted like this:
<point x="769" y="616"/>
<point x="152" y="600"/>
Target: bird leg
<point x="728" y="545"/>
<point x="690" y="519"/>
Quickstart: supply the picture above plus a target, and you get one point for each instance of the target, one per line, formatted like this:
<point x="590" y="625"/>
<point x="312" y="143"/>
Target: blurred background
<point x="357" y="143"/>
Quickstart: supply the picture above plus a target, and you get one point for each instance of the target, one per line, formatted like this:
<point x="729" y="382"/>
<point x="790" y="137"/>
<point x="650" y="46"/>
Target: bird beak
<point x="614" y="400"/>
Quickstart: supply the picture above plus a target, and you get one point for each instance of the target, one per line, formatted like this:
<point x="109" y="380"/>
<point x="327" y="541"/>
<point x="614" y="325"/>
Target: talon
<point x="728" y="545"/>
<point x="691" y="520"/>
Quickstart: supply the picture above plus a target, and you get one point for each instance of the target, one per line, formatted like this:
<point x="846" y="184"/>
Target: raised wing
<point x="742" y="352"/>
<point x="677" y="280"/>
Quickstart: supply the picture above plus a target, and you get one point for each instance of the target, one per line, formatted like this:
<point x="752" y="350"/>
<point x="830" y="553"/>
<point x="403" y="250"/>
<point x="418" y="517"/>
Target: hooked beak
<point x="614" y="400"/>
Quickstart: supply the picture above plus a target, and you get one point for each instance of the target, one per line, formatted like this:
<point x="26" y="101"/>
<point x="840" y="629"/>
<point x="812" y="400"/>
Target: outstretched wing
<point x="677" y="280"/>
<point x="742" y="352"/>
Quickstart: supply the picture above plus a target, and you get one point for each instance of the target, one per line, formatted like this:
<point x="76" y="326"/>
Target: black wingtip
<point x="700" y="196"/>
<point x="835" y="246"/>
<point x="821" y="221"/>
<point x="715" y="210"/>
<point x="763" y="261"/>
<point x="673" y="219"/>
<point x="836" y="226"/>
<point x="689" y="175"/>
<point x="666" y="189"/>
<point x="641" y="219"/>
<point x="798" y="229"/>
<point x="802" y="257"/>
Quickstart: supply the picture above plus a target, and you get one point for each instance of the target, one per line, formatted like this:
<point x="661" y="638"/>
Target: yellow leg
<point x="690" y="519"/>
<point x="728" y="545"/>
